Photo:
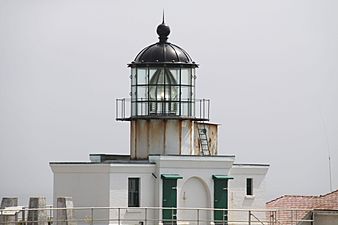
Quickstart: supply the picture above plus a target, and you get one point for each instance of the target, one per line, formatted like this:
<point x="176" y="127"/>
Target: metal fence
<point x="198" y="109"/>
<point x="148" y="216"/>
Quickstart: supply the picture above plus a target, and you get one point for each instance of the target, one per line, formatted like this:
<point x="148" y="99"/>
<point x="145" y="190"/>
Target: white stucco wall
<point x="164" y="137"/>
<point x="87" y="184"/>
<point x="119" y="174"/>
<point x="328" y="217"/>
<point x="103" y="185"/>
<point x="197" y="174"/>
<point x="106" y="185"/>
<point x="237" y="190"/>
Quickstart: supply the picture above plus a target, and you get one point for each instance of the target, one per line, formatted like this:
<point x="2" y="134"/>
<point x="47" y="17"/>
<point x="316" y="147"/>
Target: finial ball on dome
<point x="163" y="30"/>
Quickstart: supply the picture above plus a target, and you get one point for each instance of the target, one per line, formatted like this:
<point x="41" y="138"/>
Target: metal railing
<point x="148" y="216"/>
<point x="199" y="109"/>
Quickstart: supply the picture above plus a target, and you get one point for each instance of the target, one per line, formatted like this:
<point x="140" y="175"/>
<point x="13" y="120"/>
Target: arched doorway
<point x="194" y="194"/>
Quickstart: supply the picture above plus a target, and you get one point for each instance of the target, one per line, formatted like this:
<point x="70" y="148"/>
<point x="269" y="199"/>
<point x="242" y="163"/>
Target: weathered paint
<point x="212" y="134"/>
<point x="180" y="137"/>
<point x="166" y="137"/>
<point x="169" y="137"/>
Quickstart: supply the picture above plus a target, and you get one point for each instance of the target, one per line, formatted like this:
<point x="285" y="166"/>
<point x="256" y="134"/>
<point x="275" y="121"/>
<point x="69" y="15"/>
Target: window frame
<point x="249" y="186"/>
<point x="132" y="200"/>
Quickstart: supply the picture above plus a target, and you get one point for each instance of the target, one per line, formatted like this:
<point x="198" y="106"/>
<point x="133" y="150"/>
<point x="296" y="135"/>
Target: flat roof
<point x="251" y="164"/>
<point x="103" y="158"/>
<point x="106" y="162"/>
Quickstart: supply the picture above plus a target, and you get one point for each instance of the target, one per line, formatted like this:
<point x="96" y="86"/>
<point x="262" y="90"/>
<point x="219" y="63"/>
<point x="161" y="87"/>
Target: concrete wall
<point x="237" y="190"/>
<point x="8" y="202"/>
<point x="100" y="184"/>
<point x="119" y="174"/>
<point x="164" y="137"/>
<point x="329" y="217"/>
<point x="212" y="135"/>
<point x="87" y="184"/>
<point x="103" y="185"/>
<point x="320" y="217"/>
<point x="196" y="187"/>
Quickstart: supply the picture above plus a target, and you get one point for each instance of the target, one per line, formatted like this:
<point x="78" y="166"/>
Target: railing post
<point x="145" y="216"/>
<point x="50" y="214"/>
<point x="198" y="217"/>
<point x="116" y="109"/>
<point x="200" y="108"/>
<point x="203" y="108"/>
<point x="249" y="222"/>
<point x="208" y="108"/>
<point x="23" y="216"/>
<point x="124" y="108"/>
<point x="92" y="216"/>
<point x="118" y="216"/>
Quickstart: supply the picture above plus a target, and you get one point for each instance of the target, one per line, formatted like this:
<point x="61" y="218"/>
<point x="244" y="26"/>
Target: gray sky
<point x="269" y="67"/>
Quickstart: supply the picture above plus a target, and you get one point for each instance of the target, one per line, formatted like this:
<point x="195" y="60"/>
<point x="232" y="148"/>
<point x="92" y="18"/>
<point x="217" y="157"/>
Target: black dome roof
<point x="163" y="52"/>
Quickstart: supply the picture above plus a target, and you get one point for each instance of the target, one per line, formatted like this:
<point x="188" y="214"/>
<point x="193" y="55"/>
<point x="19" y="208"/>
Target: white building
<point x="173" y="159"/>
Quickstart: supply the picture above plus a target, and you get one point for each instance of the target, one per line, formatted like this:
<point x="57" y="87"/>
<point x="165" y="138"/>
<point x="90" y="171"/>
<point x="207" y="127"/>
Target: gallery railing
<point x="198" y="109"/>
<point x="149" y="216"/>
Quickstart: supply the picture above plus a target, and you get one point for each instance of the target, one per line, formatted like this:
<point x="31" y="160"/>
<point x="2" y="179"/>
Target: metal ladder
<point x="203" y="139"/>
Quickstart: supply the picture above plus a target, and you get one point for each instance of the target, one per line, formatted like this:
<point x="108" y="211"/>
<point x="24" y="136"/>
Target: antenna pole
<point x="328" y="147"/>
<point x="163" y="17"/>
<point x="330" y="173"/>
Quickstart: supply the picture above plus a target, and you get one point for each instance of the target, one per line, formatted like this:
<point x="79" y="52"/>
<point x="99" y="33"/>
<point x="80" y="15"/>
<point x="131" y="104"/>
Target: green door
<point x="221" y="198"/>
<point x="169" y="198"/>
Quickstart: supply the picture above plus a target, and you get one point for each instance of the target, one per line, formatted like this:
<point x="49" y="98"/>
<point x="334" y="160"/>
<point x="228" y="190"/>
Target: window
<point x="133" y="192"/>
<point x="249" y="186"/>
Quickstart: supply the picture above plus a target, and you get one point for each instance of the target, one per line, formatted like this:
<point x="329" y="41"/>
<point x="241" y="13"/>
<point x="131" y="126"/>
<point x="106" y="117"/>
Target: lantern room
<point x="163" y="80"/>
<point x="163" y="84"/>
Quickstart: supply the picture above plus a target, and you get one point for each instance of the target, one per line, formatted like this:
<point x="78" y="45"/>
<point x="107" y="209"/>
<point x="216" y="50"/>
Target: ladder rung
<point x="204" y="145"/>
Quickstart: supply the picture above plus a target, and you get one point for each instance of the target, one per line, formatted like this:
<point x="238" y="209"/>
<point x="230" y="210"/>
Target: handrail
<point x="151" y="215"/>
<point x="128" y="109"/>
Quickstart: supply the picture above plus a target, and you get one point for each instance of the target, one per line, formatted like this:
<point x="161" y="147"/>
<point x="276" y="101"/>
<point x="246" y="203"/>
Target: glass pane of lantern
<point x="156" y="76"/>
<point x="133" y="76"/>
<point x="193" y="93"/>
<point x="163" y="85"/>
<point x="158" y="93"/>
<point x="142" y="108"/>
<point x="142" y="76"/>
<point x="133" y="109"/>
<point x="175" y="74"/>
<point x="172" y="93"/>
<point x="186" y="76"/>
<point x="193" y="76"/>
<point x="192" y="109"/>
<point x="184" y="109"/>
<point x="151" y="73"/>
<point x="185" y="93"/>
<point x="133" y="93"/>
<point x="142" y="93"/>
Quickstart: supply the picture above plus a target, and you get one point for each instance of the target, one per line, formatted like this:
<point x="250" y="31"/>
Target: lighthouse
<point x="173" y="163"/>
<point x="165" y="118"/>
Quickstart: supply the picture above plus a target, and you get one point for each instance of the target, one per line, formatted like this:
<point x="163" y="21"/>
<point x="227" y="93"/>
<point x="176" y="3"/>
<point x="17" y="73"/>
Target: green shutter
<point x="169" y="197"/>
<point x="221" y="198"/>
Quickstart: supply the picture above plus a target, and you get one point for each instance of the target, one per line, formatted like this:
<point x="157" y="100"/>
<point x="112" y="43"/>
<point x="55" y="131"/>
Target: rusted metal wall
<point x="212" y="135"/>
<point x="161" y="137"/>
